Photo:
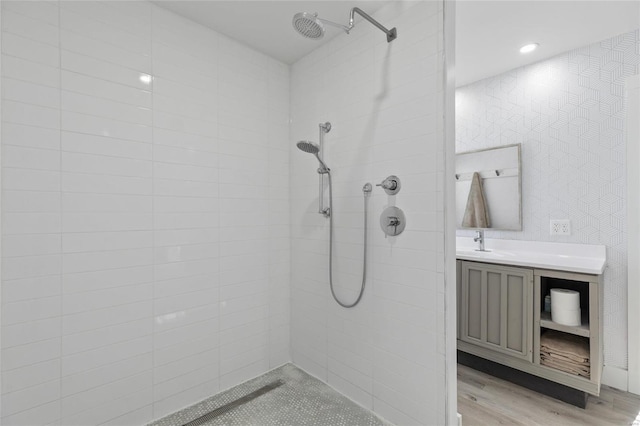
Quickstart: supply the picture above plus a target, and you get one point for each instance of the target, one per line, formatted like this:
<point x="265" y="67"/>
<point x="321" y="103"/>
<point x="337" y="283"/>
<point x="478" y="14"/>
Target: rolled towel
<point x="476" y="214"/>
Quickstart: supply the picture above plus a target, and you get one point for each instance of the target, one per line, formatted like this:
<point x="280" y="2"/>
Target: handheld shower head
<point x="308" y="25"/>
<point x="308" y="146"/>
<point x="312" y="148"/>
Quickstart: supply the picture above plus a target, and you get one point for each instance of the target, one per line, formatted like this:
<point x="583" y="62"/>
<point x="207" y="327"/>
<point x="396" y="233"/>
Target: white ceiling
<point x="266" y="25"/>
<point x="488" y="33"/>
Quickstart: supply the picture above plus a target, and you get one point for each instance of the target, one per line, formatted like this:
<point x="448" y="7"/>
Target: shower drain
<point x="234" y="404"/>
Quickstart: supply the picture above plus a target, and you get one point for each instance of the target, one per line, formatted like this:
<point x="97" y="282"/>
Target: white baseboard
<point x="615" y="377"/>
<point x="634" y="383"/>
<point x="459" y="419"/>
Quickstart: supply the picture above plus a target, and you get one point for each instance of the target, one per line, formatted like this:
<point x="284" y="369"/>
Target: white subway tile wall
<point x="149" y="209"/>
<point x="384" y="103"/>
<point x="145" y="213"/>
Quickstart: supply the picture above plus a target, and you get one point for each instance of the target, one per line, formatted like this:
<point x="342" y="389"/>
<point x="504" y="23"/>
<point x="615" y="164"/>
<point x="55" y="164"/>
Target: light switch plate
<point x="560" y="227"/>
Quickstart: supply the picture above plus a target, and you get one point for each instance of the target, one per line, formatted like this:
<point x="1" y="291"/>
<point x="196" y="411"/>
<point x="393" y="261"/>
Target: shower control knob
<point x="388" y="184"/>
<point x="392" y="221"/>
<point x="391" y="185"/>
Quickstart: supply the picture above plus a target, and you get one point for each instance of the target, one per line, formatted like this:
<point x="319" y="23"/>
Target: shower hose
<point x="366" y="191"/>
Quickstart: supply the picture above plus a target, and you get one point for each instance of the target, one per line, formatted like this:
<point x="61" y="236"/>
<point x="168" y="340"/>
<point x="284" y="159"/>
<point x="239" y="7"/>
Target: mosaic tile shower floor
<point x="301" y="401"/>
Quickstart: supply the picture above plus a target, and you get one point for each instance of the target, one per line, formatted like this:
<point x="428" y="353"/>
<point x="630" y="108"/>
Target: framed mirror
<point x="499" y="180"/>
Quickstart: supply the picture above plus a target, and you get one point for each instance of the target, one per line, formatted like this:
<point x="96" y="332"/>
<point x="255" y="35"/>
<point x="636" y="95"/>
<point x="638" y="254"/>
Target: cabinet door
<point x="496" y="309"/>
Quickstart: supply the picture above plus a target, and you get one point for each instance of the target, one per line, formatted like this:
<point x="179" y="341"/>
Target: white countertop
<point x="581" y="258"/>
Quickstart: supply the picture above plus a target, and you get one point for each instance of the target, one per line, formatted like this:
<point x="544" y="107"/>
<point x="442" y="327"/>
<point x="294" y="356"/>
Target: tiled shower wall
<point x="145" y="215"/>
<point x="568" y="113"/>
<point x="383" y="101"/>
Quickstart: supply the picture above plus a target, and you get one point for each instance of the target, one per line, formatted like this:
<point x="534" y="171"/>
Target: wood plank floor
<point x="487" y="400"/>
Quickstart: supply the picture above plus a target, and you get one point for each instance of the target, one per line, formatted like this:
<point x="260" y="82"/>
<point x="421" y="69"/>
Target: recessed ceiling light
<point x="527" y="48"/>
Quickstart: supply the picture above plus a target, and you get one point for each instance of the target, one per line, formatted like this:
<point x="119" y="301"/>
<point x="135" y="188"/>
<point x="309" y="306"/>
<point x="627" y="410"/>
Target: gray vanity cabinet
<point x="497" y="308"/>
<point x="501" y="317"/>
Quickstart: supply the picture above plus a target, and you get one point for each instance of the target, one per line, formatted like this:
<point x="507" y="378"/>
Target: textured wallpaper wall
<point x="568" y="114"/>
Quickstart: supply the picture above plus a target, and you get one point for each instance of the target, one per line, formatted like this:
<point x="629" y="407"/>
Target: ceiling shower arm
<point x="335" y="24"/>
<point x="392" y="34"/>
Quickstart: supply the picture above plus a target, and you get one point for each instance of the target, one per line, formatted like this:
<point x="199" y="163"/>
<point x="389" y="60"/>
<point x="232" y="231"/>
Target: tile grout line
<point x="153" y="214"/>
<point x="218" y="197"/>
<point x="61" y="219"/>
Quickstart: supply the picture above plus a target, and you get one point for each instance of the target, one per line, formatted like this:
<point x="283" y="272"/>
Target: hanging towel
<point x="476" y="214"/>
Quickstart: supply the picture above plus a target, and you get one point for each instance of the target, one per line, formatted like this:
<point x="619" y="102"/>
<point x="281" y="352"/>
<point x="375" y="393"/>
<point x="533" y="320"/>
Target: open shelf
<point x="565" y="373"/>
<point x="579" y="330"/>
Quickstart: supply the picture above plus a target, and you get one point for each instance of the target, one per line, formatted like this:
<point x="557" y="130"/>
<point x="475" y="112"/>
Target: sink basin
<point x="489" y="254"/>
<point x="557" y="256"/>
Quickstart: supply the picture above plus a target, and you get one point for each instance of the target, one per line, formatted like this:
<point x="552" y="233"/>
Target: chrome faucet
<point x="479" y="238"/>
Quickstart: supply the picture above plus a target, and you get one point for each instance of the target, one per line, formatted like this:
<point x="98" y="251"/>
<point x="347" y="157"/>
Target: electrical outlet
<point x="560" y="227"/>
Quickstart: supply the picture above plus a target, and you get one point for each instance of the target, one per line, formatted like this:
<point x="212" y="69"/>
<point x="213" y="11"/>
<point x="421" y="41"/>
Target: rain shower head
<point x="308" y="25"/>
